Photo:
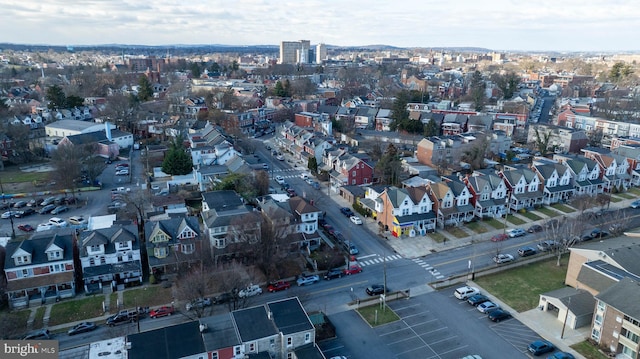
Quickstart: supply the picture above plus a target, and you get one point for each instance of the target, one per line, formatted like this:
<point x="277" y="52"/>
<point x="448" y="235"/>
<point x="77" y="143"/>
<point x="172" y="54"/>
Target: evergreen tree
<point x="56" y="97"/>
<point x="145" y="91"/>
<point x="432" y="128"/>
<point x="177" y="161"/>
<point x="399" y="112"/>
<point x="312" y="164"/>
<point x="476" y="91"/>
<point x="74" y="101"/>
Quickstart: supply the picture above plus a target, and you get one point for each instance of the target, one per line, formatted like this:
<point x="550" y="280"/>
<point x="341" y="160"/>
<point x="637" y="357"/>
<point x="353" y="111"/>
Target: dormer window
<point x="23" y="260"/>
<point x="54" y="255"/>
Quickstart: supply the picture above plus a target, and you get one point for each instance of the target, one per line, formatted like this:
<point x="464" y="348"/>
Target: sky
<point x="540" y="25"/>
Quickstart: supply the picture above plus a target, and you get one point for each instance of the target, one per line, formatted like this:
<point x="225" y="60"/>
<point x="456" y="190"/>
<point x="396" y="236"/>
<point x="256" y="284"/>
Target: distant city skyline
<point x="543" y="25"/>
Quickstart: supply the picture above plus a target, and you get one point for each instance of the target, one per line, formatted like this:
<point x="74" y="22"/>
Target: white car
<point x="304" y="280"/>
<point x="280" y="157"/>
<point x="77" y="220"/>
<point x="516" y="232"/>
<point x="58" y="222"/>
<point x="503" y="258"/>
<point x="280" y="179"/>
<point x="122" y="172"/>
<point x="355" y="220"/>
<point x="463" y="293"/>
<point x="9" y="214"/>
<point x="250" y="291"/>
<point x="44" y="227"/>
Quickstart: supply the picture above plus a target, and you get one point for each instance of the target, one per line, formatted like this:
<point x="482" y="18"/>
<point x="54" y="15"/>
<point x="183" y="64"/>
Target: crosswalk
<point x="434" y="272"/>
<point x="377" y="260"/>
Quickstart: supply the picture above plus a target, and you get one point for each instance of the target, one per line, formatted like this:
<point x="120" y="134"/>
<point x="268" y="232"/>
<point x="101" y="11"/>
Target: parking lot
<point x="434" y="325"/>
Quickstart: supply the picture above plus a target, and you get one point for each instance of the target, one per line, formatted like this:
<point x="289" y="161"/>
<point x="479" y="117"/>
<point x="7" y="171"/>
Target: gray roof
<point x="176" y="341"/>
<point x="624" y="297"/>
<point x="289" y="316"/>
<point x="108" y="237"/>
<point x="309" y="351"/>
<point x="253" y="323"/>
<point x="73" y="125"/>
<point x="222" y="200"/>
<point x="594" y="278"/>
<point x="579" y="302"/>
<point x="38" y="244"/>
<point x="220" y="332"/>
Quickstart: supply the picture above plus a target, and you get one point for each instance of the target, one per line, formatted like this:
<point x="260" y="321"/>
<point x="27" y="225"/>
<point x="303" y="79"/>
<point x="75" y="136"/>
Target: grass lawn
<point x="75" y="310"/>
<point x="113" y="298"/>
<point x="37" y="320"/>
<point x="494" y="223"/>
<point x="515" y="220"/>
<point x="615" y="199"/>
<point x="147" y="296"/>
<point x="563" y="208"/>
<point x="588" y="350"/>
<point x="18" y="321"/>
<point x="520" y="287"/>
<point x="17" y="176"/>
<point x="548" y="211"/>
<point x="457" y="232"/>
<point x="626" y="195"/>
<point x="383" y="316"/>
<point x="532" y="216"/>
<point x="635" y="191"/>
<point x="477" y="227"/>
<point x="437" y="237"/>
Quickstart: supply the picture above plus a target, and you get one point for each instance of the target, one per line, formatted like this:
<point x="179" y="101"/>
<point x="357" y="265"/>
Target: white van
<point x="463" y="293"/>
<point x="304" y="176"/>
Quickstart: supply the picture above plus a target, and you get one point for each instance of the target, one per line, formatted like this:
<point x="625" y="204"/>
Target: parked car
<point x="463" y="293"/>
<point x="9" y="214"/>
<point x="535" y="228"/>
<point x="548" y="245"/>
<point x="561" y="355"/>
<point x="500" y="237"/>
<point x="347" y="211"/>
<point x="598" y="233"/>
<point x="250" y="291"/>
<point x="123" y="172"/>
<point x="280" y="157"/>
<point x="222" y="298"/>
<point x="477" y="299"/>
<point x="120" y="318"/>
<point x="376" y="289"/>
<point x="38" y="334"/>
<point x="199" y="303"/>
<point x="83" y="327"/>
<point x="47" y="201"/>
<point x="635" y="204"/>
<point x="355" y="220"/>
<point x="25" y="212"/>
<point x="59" y="199"/>
<point x="487" y="307"/>
<point x="516" y="232"/>
<point x="26" y="228"/>
<point x="77" y="220"/>
<point x="526" y="251"/>
<point x="307" y="279"/>
<point x="58" y="222"/>
<point x="280" y="180"/>
<point x="161" y="312"/>
<point x="278" y="286"/>
<point x="350" y="247"/>
<point x="44" y="227"/>
<point x="333" y="273"/>
<point x="499" y="315"/>
<point x="353" y="269"/>
<point x="20" y="204"/>
<point x="59" y="209"/>
<point x="291" y="192"/>
<point x="503" y="258"/>
<point x="540" y="347"/>
<point x="47" y="208"/>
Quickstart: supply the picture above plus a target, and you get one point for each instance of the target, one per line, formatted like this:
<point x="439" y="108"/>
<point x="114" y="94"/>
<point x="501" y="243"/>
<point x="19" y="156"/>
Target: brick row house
<point x="295" y="220"/>
<point x="172" y="243"/>
<point x="488" y="194"/>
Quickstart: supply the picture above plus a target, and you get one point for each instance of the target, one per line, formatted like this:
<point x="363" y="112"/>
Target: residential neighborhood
<point x="264" y="197"/>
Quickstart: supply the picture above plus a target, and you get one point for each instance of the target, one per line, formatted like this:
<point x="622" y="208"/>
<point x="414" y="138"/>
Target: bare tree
<point x="193" y="287"/>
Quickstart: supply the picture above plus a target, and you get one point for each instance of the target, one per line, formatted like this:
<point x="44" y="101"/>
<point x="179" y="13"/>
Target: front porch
<point x="30" y="297"/>
<point x="525" y="200"/>
<point x="557" y="194"/>
<point x="413" y="225"/>
<point x="490" y="209"/>
<point x="455" y="216"/>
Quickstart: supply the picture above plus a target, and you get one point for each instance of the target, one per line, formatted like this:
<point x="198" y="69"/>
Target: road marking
<point x="369" y="256"/>
<point x="350" y="285"/>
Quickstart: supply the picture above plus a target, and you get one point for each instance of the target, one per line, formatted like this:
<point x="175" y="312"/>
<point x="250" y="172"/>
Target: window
<point x="307" y="337"/>
<point x="160" y="252"/>
<point x="601" y="306"/>
<point x="595" y="334"/>
<point x="55" y="268"/>
<point x="95" y="248"/>
<point x="123" y="245"/>
<point x="289" y="342"/>
<point x="25" y="273"/>
<point x="92" y="261"/>
<point x="289" y="355"/>
<point x="219" y="242"/>
<point x="252" y="347"/>
<point x="598" y="320"/>
<point x="353" y="173"/>
<point x="103" y="260"/>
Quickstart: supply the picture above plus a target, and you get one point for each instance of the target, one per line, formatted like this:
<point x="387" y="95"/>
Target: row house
<point x="632" y="154"/>
<point x="442" y="151"/>
<point x="349" y="169"/>
<point x="587" y="179"/>
<point x="406" y="211"/>
<point x="615" y="169"/>
<point x="556" y="182"/>
<point x="451" y="203"/>
<point x="228" y="220"/>
<point x="172" y="242"/>
<point x="488" y="194"/>
<point x="40" y="269"/>
<point x="238" y="122"/>
<point x="383" y="120"/>
<point x="365" y="117"/>
<point x="316" y="147"/>
<point x="110" y="257"/>
<point x="295" y="219"/>
<point x="561" y="139"/>
<point x="523" y="186"/>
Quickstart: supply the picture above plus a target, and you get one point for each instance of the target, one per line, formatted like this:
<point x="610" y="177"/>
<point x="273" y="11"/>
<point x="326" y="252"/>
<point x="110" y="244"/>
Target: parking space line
<point x="410" y="350"/>
<point x="401" y="340"/>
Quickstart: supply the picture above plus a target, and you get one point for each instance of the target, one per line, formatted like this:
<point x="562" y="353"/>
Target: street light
<point x="4" y="199"/>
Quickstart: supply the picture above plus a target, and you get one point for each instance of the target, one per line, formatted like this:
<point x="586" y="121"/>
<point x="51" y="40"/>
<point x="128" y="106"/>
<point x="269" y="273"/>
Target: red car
<point x="500" y="237"/>
<point x="161" y="312"/>
<point x="25" y="227"/>
<point x="278" y="286"/>
<point x="354" y="269"/>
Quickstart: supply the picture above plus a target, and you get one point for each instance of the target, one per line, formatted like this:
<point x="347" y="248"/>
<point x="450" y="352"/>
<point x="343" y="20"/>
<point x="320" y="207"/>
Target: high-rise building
<point x="294" y="52"/>
<point x="321" y="53"/>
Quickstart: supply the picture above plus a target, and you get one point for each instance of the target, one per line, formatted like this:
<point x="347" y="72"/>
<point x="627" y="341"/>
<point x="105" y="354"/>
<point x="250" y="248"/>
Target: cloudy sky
<point x="564" y="25"/>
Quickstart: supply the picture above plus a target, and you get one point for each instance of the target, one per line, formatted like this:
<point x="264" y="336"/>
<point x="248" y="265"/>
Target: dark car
<point x="546" y="246"/>
<point x="375" y="289"/>
<point x="347" y="211"/>
<point x="278" y="286"/>
<point x="333" y="273"/>
<point x="526" y="251"/>
<point x="59" y="209"/>
<point x="222" y="298"/>
<point x="119" y="318"/>
<point x="47" y="201"/>
<point x="26" y="228"/>
<point x="82" y="328"/>
<point x="477" y="299"/>
<point x="199" y="303"/>
<point x="540" y="347"/>
<point x="535" y="228"/>
<point x="46" y="209"/>
<point x="38" y="334"/>
<point x="499" y="315"/>
<point x="561" y="355"/>
<point x="25" y="212"/>
<point x="598" y="233"/>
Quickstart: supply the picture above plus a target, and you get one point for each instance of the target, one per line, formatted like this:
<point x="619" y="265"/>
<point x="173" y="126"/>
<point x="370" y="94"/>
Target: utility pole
<point x="4" y="199"/>
<point x="384" y="292"/>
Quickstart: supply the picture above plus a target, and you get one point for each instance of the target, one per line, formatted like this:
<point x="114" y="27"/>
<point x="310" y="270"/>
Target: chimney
<point x="107" y="130"/>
